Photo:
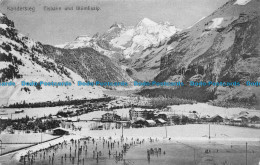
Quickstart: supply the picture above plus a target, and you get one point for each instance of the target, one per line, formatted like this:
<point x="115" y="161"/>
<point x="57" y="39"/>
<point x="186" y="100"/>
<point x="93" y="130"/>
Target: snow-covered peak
<point x="117" y="25"/>
<point x="147" y="22"/>
<point x="1" y="15"/>
<point x="127" y="39"/>
<point x="83" y="38"/>
<point x="148" y="27"/>
<point x="241" y="2"/>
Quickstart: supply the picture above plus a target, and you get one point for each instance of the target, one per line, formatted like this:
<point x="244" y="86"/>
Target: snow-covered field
<point x="31" y="112"/>
<point x="191" y="132"/>
<point x="203" y="109"/>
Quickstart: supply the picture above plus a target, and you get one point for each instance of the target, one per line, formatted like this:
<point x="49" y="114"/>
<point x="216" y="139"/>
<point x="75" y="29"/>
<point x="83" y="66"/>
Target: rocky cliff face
<point x="221" y="47"/>
<point x="88" y="63"/>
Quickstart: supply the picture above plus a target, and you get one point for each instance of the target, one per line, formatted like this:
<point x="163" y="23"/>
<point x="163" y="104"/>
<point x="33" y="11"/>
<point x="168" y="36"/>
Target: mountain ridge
<point x="221" y="47"/>
<point x="120" y="38"/>
<point x="130" y="46"/>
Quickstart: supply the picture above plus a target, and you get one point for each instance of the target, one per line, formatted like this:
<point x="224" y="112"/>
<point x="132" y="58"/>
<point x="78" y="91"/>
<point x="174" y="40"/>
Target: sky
<point x="61" y="26"/>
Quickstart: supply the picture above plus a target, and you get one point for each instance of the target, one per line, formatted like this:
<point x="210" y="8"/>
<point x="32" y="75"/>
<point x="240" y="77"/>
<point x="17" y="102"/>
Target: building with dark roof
<point x="110" y="117"/>
<point x="60" y="131"/>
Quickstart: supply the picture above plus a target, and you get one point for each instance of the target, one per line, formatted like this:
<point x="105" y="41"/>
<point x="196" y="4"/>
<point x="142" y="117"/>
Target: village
<point x="120" y="118"/>
<point x="127" y="113"/>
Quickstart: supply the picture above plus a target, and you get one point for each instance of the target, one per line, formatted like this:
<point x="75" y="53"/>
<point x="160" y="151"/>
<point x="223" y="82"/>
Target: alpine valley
<point x="222" y="47"/>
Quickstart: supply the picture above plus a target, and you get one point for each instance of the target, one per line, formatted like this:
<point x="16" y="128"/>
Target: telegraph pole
<point x="1" y="146"/>
<point x="246" y="153"/>
<point x="194" y="155"/>
<point x="209" y="131"/>
<point x="41" y="136"/>
<point x="122" y="130"/>
<point x="166" y="130"/>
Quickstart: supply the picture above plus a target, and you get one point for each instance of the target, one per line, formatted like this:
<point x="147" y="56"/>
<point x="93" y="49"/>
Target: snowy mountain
<point x="221" y="47"/>
<point x="126" y="41"/>
<point x="22" y="59"/>
<point x="130" y="46"/>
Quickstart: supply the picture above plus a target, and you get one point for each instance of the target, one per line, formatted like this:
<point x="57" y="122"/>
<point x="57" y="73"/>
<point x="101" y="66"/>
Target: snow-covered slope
<point x="22" y="59"/>
<point x="223" y="46"/>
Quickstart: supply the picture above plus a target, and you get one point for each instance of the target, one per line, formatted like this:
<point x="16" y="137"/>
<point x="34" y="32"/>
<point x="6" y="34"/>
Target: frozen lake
<point x="172" y="153"/>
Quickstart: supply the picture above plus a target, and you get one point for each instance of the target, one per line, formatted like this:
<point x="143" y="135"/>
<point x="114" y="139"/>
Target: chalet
<point x="110" y="117"/>
<point x="217" y="119"/>
<point x="60" y="131"/>
<point x="160" y="121"/>
<point x="205" y="118"/>
<point x="255" y="119"/>
<point x="150" y="123"/>
<point x="138" y="124"/>
<point x="244" y="119"/>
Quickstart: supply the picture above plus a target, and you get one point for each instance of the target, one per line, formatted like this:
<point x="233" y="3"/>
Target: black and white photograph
<point x="129" y="82"/>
